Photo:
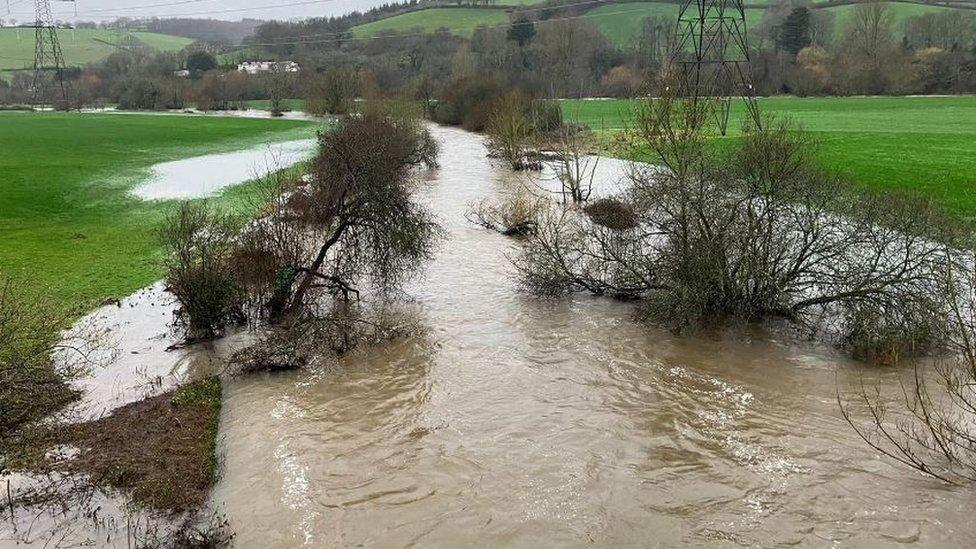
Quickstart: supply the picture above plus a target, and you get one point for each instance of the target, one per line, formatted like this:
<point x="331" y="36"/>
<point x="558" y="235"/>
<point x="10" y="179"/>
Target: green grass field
<point x="460" y="21"/>
<point x="621" y="23"/>
<point x="915" y="144"/>
<point x="66" y="220"/>
<point x="80" y="46"/>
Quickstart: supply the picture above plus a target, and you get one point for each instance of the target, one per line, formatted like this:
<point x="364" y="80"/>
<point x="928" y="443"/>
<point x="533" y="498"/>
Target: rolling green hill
<point x="80" y="46"/>
<point x="620" y="22"/>
<point x="460" y="21"/>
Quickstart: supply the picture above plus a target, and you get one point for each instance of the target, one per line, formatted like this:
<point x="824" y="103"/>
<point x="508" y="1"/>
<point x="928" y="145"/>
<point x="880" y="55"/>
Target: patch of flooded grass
<point x="67" y="221"/>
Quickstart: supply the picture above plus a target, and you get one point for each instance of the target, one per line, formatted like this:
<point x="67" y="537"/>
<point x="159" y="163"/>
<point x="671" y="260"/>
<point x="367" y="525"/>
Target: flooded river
<point x="518" y="422"/>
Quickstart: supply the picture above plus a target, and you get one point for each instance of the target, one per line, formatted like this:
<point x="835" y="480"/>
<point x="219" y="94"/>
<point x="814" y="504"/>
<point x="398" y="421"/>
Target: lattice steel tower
<point x="711" y="57"/>
<point x="47" y="51"/>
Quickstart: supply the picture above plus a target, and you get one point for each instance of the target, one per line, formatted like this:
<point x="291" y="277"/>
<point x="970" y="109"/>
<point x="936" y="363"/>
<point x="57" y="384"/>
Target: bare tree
<point x="332" y="92"/>
<point x="575" y="165"/>
<point x="353" y="219"/>
<point x="871" y="28"/>
<point x="279" y="85"/>
<point x="510" y="130"/>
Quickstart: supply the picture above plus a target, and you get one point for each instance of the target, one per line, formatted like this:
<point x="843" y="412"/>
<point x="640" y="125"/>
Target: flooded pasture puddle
<point x="512" y="421"/>
<point x="203" y="176"/>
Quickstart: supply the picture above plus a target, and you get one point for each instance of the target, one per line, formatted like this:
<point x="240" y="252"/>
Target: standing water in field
<point x="204" y="176"/>
<point x="518" y="422"/>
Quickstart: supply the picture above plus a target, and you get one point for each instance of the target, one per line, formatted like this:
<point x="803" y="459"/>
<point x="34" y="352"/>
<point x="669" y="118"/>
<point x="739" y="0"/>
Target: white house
<point x="255" y="67"/>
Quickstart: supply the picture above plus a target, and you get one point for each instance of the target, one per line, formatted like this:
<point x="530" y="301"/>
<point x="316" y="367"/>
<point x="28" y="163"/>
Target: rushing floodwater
<point x="519" y="422"/>
<point x="204" y="176"/>
<point x="524" y="423"/>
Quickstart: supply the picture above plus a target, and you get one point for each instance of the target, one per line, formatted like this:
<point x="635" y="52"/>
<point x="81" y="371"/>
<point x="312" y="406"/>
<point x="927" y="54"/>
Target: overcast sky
<point x="231" y="10"/>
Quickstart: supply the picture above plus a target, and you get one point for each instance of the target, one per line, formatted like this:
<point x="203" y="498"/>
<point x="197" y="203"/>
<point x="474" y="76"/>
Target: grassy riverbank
<point x="919" y="144"/>
<point x="67" y="222"/>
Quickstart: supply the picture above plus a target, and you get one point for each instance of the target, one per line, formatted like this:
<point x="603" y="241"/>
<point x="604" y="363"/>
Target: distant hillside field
<point x="81" y="46"/>
<point x="460" y="21"/>
<point x="620" y="22"/>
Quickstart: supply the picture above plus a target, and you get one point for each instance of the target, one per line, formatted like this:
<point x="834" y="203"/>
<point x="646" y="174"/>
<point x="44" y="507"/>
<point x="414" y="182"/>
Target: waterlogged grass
<point x="459" y="21"/>
<point x="80" y="46"/>
<point x="918" y="144"/>
<point x="67" y="222"/>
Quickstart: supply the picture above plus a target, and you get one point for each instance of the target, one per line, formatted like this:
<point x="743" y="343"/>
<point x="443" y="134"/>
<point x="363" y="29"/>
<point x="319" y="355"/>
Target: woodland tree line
<point x="796" y="49"/>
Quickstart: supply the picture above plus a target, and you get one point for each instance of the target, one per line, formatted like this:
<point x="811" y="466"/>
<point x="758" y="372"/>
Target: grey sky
<point x="232" y="10"/>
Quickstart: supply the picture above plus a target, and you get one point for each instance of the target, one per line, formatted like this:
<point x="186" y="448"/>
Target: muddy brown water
<point x="512" y="421"/>
<point x="518" y="422"/>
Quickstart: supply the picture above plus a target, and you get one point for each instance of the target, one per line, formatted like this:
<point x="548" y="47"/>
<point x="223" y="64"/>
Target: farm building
<point x="255" y="67"/>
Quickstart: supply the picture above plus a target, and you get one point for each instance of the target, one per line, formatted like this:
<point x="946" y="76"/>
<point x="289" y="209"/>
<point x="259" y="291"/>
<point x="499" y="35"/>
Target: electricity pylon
<point x="47" y="50"/>
<point x="711" y="57"/>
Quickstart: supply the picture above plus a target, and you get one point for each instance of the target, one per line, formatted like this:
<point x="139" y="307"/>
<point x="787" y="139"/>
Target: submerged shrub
<point x="612" y="213"/>
<point x="515" y="215"/>
<point x="199" y="243"/>
<point x="755" y="234"/>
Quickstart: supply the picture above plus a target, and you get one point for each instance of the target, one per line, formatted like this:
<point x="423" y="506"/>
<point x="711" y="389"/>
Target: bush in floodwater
<point x="354" y="219"/>
<point x="199" y="242"/>
<point x="758" y="233"/>
<point x="927" y="425"/>
<point x="612" y="213"/>
<point x="515" y="215"/>
<point x="314" y="342"/>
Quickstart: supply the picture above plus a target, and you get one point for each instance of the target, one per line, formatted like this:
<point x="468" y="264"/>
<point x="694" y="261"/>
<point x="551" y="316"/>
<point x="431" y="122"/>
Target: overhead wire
<point x="294" y="3"/>
<point x="88" y="14"/>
